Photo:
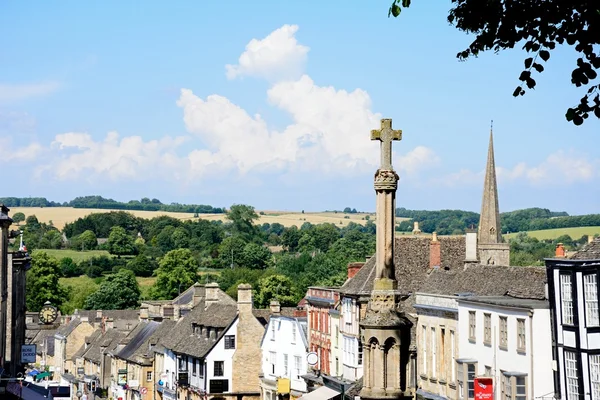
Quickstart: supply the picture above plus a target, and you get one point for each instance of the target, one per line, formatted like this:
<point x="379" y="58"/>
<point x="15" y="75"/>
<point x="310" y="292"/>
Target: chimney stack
<point x="560" y="251"/>
<point x="144" y="313"/>
<point x="590" y="238"/>
<point x="435" y="252"/>
<point x="353" y="268"/>
<point x="198" y="294"/>
<point x="110" y="323"/>
<point x="211" y="293"/>
<point x="416" y="230"/>
<point x="471" y="246"/>
<point x="275" y="307"/>
<point x="244" y="299"/>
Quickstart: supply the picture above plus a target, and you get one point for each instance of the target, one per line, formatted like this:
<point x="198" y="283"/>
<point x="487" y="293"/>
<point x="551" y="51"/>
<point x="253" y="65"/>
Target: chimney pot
<point x="560" y="251"/>
<point x="211" y="293"/>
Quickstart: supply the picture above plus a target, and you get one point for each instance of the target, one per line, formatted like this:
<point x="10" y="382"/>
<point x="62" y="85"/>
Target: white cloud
<point x="559" y="168"/>
<point x="329" y="132"/>
<point x="10" y="93"/>
<point x="113" y="158"/>
<point x="16" y="122"/>
<point x="277" y="56"/>
<point x="25" y="154"/>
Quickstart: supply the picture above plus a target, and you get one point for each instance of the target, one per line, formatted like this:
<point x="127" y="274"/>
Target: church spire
<point x="489" y="220"/>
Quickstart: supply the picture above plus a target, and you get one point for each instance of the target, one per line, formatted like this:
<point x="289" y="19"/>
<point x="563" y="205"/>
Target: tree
<point x="242" y="218"/>
<point x="87" y="241"/>
<point x="256" y="256"/>
<point x="502" y="24"/>
<point x="141" y="265"/>
<point x="290" y="238"/>
<point x="119" y="242"/>
<point x="119" y="291"/>
<point x="276" y="287"/>
<point x="18" y="217"/>
<point x="231" y="251"/>
<point x="42" y="282"/>
<point x="69" y="268"/>
<point x="177" y="271"/>
<point x="52" y="239"/>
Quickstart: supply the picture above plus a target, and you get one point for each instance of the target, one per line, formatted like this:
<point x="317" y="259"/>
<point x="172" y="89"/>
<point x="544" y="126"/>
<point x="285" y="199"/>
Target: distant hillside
<point x="100" y="202"/>
<point x="447" y="222"/>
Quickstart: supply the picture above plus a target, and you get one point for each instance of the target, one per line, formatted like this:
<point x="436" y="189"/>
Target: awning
<point x="33" y="372"/>
<point x="429" y="395"/>
<point x="322" y="393"/>
<point x="41" y="376"/>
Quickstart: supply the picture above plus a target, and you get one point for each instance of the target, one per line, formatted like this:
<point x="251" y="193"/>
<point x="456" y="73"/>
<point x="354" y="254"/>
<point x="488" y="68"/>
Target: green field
<point x="75" y="255"/>
<point x="575" y="233"/>
<point x="84" y="280"/>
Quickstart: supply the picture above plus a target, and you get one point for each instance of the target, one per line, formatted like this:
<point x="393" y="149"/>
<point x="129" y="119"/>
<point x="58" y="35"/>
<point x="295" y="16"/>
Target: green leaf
<point x="530" y="83"/>
<point x="517" y="91"/>
<point x="538" y="67"/>
<point x="524" y="75"/>
<point x="406" y="3"/>
<point x="577" y="120"/>
<point x="395" y="10"/>
<point x="528" y="62"/>
<point x="545" y="55"/>
<point x="570" y="114"/>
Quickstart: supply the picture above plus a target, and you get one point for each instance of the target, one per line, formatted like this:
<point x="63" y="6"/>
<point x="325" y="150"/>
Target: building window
<point x="229" y="342"/>
<point x="337" y="336"/>
<point x="273" y="330"/>
<point x="572" y="375"/>
<point x="466" y="380"/>
<point x="149" y="376"/>
<point x="200" y="369"/>
<point x="297" y="365"/>
<point x="442" y="353"/>
<point x="183" y="363"/>
<point x="472" y="326"/>
<point x="503" y="333"/>
<point x="514" y="387"/>
<point x="487" y="329"/>
<point x="521" y="346"/>
<point x="360" y="353"/>
<point x="595" y="376"/>
<point x="453" y="358"/>
<point x="285" y="365"/>
<point x="591" y="299"/>
<point x="433" y="353"/>
<point x="424" y="341"/>
<point x="488" y="371"/>
<point x="347" y="306"/>
<point x="273" y="361"/>
<point x="194" y="367"/>
<point x="219" y="368"/>
<point x="566" y="295"/>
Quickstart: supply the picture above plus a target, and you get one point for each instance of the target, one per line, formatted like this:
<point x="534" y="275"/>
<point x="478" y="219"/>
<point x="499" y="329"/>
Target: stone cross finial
<point x="385" y="135"/>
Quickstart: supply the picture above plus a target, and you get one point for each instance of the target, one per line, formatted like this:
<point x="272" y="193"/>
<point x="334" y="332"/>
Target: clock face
<point x="48" y="314"/>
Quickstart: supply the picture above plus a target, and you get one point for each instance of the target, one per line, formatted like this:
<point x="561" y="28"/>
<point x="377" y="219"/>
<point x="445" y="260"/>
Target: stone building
<point x="68" y="339"/>
<point x="320" y="301"/>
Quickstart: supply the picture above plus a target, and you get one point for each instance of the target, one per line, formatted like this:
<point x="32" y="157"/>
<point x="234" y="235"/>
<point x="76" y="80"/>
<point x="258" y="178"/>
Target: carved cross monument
<point x="385" y="332"/>
<point x="386" y="182"/>
<point x="385" y="135"/>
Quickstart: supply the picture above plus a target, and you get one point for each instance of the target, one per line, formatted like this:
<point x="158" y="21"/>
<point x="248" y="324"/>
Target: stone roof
<point x="590" y="251"/>
<point x="88" y="341"/>
<point x="488" y="280"/>
<point x="104" y="341"/>
<point x="137" y="337"/>
<point x="65" y="330"/>
<point x="182" y="338"/>
<point x="43" y="336"/>
<point x="411" y="259"/>
<point x="508" y="301"/>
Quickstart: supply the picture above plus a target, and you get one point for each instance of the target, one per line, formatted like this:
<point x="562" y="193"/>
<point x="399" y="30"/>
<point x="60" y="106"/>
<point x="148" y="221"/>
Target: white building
<point x="506" y="338"/>
<point x="337" y="354"/>
<point x="352" y="354"/>
<point x="284" y="348"/>
<point x="573" y="293"/>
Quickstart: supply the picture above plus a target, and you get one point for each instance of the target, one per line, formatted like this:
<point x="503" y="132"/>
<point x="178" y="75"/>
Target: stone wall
<point x="74" y="342"/>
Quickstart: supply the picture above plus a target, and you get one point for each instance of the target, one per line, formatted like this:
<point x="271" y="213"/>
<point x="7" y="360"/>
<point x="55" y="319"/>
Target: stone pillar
<point x="386" y="182"/>
<point x="5" y="222"/>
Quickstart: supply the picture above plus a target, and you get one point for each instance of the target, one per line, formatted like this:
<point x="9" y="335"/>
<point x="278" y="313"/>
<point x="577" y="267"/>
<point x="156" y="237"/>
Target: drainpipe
<point x="531" y="352"/>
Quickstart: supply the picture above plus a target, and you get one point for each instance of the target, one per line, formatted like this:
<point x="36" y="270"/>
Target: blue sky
<point x="135" y="99"/>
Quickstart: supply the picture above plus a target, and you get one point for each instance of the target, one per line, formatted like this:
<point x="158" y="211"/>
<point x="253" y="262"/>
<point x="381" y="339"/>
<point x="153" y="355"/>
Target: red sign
<point x="484" y="389"/>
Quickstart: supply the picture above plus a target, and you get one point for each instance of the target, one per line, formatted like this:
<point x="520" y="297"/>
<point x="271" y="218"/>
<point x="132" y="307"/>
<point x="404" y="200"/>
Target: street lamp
<point x="78" y="394"/>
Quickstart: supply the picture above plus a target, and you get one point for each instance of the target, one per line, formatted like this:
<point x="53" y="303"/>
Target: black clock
<point x="48" y="313"/>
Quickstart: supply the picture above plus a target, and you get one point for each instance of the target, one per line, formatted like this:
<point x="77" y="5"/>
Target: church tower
<point x="491" y="246"/>
<point x="385" y="331"/>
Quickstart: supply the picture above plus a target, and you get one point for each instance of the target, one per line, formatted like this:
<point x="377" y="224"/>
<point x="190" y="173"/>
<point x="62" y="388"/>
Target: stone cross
<point x="385" y="135"/>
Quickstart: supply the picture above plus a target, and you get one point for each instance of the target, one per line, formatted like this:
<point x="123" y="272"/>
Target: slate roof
<point x="489" y="280"/>
<point x="65" y="330"/>
<point x="145" y="350"/>
<point x="411" y="259"/>
<point x="182" y="339"/>
<point x="88" y="341"/>
<point x="103" y="341"/>
<point x="137" y="337"/>
<point x="508" y="301"/>
<point x="590" y="251"/>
